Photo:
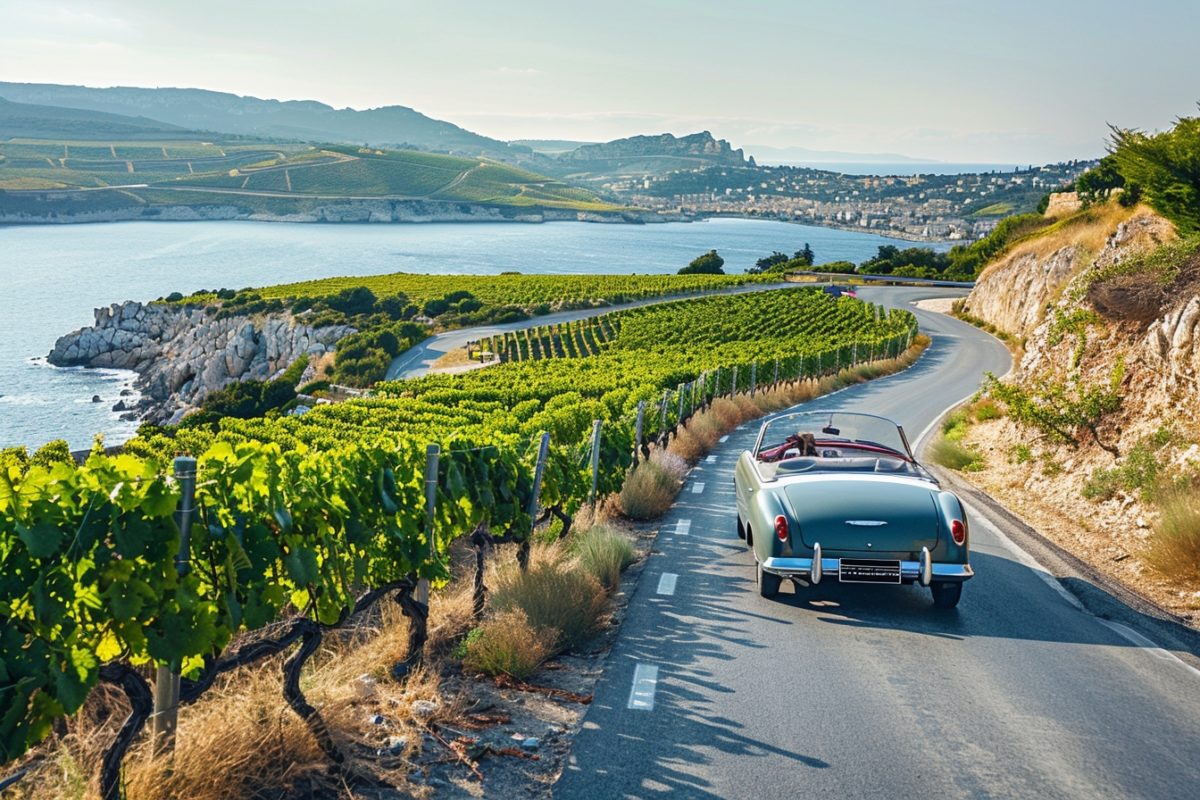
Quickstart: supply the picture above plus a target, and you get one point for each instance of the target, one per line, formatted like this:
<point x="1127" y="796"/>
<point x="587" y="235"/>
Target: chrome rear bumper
<point x="910" y="571"/>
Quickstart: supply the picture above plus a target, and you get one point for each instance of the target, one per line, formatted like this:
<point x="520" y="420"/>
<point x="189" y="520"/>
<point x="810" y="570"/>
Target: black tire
<point x="768" y="584"/>
<point x="946" y="594"/>
<point x="741" y="528"/>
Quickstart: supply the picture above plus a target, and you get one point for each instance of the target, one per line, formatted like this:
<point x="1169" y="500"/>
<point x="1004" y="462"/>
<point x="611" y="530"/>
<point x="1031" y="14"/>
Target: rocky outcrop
<point x="183" y="353"/>
<point x="696" y="145"/>
<point x="1014" y="292"/>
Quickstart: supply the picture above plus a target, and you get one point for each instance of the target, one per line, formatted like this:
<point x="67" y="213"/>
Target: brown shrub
<point x="686" y="445"/>
<point x="728" y="414"/>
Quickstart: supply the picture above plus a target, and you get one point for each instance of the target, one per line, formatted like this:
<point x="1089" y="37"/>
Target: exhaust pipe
<point x="926" y="567"/>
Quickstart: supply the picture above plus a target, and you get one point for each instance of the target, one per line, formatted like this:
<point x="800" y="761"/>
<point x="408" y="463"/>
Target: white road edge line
<point x="1025" y="559"/>
<point x="645" y="683"/>
<point x="698" y="487"/>
<point x="666" y="584"/>
<point x="683" y="527"/>
<point x="1129" y="634"/>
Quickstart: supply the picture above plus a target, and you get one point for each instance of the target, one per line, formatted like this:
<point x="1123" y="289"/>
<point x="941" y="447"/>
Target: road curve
<point x="860" y="692"/>
<point x="415" y="361"/>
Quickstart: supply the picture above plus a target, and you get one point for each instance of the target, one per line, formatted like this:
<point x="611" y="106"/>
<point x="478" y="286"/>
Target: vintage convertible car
<point x="839" y="496"/>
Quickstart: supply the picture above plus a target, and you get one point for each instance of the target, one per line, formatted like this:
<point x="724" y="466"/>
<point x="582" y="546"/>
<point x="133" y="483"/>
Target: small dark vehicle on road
<point x="839" y="496"/>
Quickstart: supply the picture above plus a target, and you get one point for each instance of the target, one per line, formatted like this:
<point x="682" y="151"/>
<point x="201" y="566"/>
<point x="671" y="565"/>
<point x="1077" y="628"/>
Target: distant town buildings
<point x="941" y="207"/>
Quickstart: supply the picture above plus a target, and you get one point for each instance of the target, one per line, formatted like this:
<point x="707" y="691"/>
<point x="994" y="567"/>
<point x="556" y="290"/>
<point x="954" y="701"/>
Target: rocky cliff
<point x="1089" y="308"/>
<point x="182" y="353"/>
<point x="693" y="146"/>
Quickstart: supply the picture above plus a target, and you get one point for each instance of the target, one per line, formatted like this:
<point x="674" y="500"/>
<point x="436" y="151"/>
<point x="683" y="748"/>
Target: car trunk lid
<point x="878" y="516"/>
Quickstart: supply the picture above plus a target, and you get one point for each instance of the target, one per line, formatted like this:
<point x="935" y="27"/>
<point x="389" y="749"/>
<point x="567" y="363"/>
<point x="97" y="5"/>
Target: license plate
<point x="868" y="570"/>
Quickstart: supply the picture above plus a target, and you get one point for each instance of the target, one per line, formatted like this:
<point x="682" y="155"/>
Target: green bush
<point x="51" y="453"/>
<point x="952" y="455"/>
<point x="1167" y="168"/>
<point x="708" y="264"/>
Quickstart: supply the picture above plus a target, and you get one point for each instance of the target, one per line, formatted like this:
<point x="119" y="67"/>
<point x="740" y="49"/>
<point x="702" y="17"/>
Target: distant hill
<point x="550" y="147"/>
<point x="28" y="121"/>
<point x="648" y="155"/>
<point x="306" y="120"/>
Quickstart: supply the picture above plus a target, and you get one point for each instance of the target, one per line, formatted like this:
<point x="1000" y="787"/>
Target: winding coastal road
<point x="1024" y="690"/>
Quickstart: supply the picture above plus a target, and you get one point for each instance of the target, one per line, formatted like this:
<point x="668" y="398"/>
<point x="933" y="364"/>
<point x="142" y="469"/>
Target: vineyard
<point x="298" y="523"/>
<point x="510" y="289"/>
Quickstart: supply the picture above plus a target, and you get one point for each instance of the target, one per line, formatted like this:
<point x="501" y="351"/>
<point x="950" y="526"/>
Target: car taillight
<point x="781" y="527"/>
<point x="958" y="531"/>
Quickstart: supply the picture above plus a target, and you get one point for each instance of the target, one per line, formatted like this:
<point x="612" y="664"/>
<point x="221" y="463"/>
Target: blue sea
<point x="53" y="276"/>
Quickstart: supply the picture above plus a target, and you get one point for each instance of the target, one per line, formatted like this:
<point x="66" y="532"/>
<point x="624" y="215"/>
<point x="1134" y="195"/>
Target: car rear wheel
<point x="768" y="584"/>
<point x="946" y="594"/>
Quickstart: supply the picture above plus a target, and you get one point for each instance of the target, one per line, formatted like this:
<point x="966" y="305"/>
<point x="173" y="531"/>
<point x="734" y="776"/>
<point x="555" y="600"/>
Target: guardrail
<point x="892" y="280"/>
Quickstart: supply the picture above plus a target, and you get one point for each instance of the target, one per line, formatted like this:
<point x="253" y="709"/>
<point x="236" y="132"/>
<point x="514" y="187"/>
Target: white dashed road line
<point x="666" y="583"/>
<point x="724" y="438"/>
<point x="698" y="487"/>
<point x="683" y="527"/>
<point x="645" y="682"/>
<point x="711" y="459"/>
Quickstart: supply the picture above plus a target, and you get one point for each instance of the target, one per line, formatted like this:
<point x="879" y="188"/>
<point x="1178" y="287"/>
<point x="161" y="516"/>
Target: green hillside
<point x="37" y="174"/>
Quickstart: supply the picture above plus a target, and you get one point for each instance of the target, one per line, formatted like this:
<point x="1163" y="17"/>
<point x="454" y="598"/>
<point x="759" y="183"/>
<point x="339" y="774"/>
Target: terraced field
<point x="269" y="170"/>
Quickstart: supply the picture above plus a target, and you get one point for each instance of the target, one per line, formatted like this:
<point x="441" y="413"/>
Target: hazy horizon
<point x="931" y="81"/>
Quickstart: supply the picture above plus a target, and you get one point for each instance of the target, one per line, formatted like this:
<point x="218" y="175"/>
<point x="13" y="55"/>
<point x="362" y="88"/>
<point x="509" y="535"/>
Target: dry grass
<point x="242" y="741"/>
<point x="1087" y="230"/>
<point x="650" y="488"/>
<point x="1175" y="542"/>
<point x="605" y="552"/>
<point x="555" y="594"/>
<point x="507" y="644"/>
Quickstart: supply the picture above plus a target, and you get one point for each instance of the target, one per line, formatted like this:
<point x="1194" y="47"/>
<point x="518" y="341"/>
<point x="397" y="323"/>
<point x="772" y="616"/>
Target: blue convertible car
<point x="839" y="496"/>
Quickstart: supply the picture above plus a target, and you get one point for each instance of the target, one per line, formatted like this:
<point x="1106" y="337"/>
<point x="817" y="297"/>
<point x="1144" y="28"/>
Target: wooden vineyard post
<point x="733" y="386"/>
<point x="538" y="473"/>
<point x="753" y="378"/>
<point x="595" y="462"/>
<point x="638" y="429"/>
<point x="679" y="413"/>
<point x="166" y="682"/>
<point x="432" y="453"/>
<point x="717" y="384"/>
<point x="662" y="418"/>
<point x="775" y="380"/>
<point x="854" y="353"/>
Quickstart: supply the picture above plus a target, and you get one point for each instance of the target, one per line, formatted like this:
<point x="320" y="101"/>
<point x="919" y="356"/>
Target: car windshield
<point x="831" y="434"/>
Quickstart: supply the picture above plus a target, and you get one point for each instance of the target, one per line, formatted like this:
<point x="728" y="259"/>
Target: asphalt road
<point x="868" y="691"/>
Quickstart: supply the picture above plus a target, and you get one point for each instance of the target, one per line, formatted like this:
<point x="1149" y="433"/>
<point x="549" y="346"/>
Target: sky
<point x="1023" y="81"/>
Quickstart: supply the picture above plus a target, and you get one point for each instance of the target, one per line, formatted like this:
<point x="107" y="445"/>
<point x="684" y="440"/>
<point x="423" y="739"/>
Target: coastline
<point x="378" y="211"/>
